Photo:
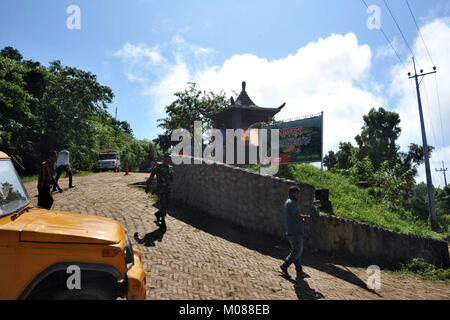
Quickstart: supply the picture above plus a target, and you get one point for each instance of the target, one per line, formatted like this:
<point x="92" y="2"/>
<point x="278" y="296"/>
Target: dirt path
<point x="202" y="258"/>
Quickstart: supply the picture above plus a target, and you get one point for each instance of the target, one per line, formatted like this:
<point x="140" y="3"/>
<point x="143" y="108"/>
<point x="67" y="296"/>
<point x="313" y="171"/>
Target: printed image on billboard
<point x="300" y="141"/>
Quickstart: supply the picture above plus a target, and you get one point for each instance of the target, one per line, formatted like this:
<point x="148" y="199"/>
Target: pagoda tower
<point x="241" y="114"/>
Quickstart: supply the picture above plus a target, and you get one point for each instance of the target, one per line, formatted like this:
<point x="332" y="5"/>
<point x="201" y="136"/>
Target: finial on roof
<point x="243" y="85"/>
<point x="232" y="100"/>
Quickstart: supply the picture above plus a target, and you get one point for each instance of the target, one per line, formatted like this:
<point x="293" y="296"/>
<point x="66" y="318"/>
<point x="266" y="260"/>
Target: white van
<point x="108" y="160"/>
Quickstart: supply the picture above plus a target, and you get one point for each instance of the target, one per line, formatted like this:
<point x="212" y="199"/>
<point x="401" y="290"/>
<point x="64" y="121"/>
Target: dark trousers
<point x="164" y="200"/>
<point x="59" y="170"/>
<point x="295" y="256"/>
<point x="45" y="199"/>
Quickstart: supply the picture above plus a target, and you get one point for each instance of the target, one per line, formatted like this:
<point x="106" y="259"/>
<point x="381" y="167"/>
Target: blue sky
<point x="314" y="55"/>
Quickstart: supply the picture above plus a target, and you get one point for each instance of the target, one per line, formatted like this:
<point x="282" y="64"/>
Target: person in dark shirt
<point x="164" y="177"/>
<point x="295" y="230"/>
<point x="46" y="181"/>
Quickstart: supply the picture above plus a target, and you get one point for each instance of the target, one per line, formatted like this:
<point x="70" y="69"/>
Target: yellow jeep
<point x="48" y="254"/>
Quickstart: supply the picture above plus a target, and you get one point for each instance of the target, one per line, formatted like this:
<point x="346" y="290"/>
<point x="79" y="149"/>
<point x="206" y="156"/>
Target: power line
<point x="415" y="95"/>
<point x="398" y="56"/>
<point x="430" y="117"/>
<point x="420" y="33"/>
<point x="435" y="76"/>
<point x="389" y="42"/>
<point x="430" y="192"/>
<point x="439" y="106"/>
<point x="429" y="111"/>
<point x="399" y="29"/>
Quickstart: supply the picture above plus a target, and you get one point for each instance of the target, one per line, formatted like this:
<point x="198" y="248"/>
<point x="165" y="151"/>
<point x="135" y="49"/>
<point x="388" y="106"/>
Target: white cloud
<point x="162" y="91"/>
<point x="331" y="74"/>
<point x="440" y="9"/>
<point x="325" y="75"/>
<point x="140" y="53"/>
<point x="387" y="51"/>
<point x="160" y="75"/>
<point x="182" y="44"/>
<point x="137" y="59"/>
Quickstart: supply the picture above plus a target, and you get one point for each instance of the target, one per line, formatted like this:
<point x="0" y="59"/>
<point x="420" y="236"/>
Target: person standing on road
<point x="46" y="181"/>
<point x="164" y="177"/>
<point x="63" y="164"/>
<point x="295" y="230"/>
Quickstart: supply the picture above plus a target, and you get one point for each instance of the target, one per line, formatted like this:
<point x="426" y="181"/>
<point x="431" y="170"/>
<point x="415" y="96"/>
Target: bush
<point x="362" y="205"/>
<point x="426" y="270"/>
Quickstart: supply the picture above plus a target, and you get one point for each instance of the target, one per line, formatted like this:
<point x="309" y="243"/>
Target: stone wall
<point x="256" y="201"/>
<point x="374" y="245"/>
<point x="237" y="195"/>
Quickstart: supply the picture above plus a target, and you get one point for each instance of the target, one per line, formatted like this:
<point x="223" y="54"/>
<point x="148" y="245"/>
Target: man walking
<point x="295" y="229"/>
<point x="164" y="178"/>
<point x="45" y="181"/>
<point x="63" y="164"/>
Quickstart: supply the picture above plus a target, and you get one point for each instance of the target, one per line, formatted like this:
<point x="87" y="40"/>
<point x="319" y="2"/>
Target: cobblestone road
<point x="202" y="258"/>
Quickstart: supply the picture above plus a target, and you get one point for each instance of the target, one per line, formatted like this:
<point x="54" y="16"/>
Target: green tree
<point x="417" y="202"/>
<point x="363" y="170"/>
<point x="15" y="101"/>
<point x="11" y="53"/>
<point x="191" y="105"/>
<point x="43" y="108"/>
<point x="344" y="155"/>
<point x="414" y="157"/>
<point x="330" y="160"/>
<point x="443" y="200"/>
<point x="378" y="137"/>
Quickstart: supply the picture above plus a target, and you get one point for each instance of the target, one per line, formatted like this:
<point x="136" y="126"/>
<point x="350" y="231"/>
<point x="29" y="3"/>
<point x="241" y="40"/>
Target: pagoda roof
<point x="244" y="102"/>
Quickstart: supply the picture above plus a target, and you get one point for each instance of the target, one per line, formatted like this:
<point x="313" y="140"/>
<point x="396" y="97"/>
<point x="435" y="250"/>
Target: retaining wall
<point x="255" y="202"/>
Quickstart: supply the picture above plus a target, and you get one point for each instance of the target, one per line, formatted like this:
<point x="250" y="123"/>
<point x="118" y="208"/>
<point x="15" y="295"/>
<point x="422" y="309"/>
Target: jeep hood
<point x="65" y="227"/>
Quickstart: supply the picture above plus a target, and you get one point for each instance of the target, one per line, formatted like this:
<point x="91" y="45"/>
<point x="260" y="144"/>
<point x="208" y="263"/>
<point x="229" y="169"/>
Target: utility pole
<point x="321" y="161"/>
<point x="116" y="113"/>
<point x="432" y="208"/>
<point x="443" y="170"/>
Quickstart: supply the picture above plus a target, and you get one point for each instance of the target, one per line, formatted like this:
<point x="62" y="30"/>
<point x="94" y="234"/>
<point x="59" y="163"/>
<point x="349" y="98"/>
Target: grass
<point x="80" y="173"/>
<point x="354" y="203"/>
<point x="422" y="269"/>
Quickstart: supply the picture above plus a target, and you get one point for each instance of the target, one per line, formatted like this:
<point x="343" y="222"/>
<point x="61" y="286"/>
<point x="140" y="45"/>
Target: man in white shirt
<point x="63" y="164"/>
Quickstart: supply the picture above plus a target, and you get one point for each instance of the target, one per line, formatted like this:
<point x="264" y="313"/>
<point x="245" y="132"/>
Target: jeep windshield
<point x="108" y="157"/>
<point x="13" y="196"/>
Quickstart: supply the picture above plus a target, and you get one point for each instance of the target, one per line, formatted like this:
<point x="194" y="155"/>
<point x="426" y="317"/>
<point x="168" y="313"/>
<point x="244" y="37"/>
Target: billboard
<point x="300" y="140"/>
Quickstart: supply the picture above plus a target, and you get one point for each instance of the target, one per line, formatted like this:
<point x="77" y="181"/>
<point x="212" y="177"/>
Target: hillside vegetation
<point x="43" y="108"/>
<point x="355" y="203"/>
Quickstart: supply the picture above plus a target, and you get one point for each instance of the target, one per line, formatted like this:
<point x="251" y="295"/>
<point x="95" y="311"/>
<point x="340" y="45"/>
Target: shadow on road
<point x="274" y="247"/>
<point x="344" y="274"/>
<point x="149" y="239"/>
<point x="303" y="290"/>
